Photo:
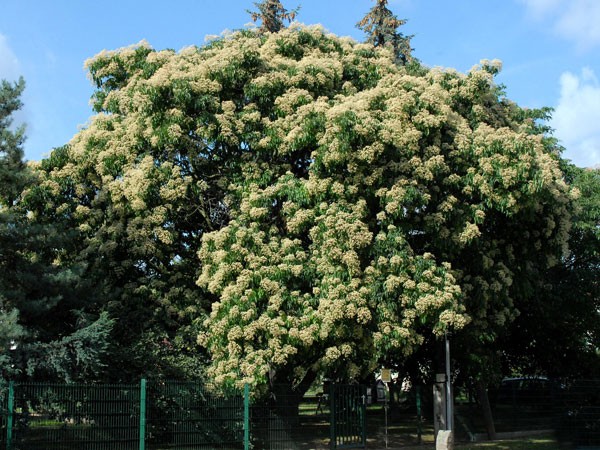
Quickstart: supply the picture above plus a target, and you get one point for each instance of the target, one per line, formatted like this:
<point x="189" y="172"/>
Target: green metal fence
<point x="141" y="416"/>
<point x="577" y="419"/>
<point x="183" y="415"/>
<point x="348" y="413"/>
<point x="569" y="409"/>
<point x="72" y="416"/>
<point x="189" y="416"/>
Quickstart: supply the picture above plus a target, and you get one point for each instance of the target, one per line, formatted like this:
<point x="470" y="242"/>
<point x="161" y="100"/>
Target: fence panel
<point x="287" y="420"/>
<point x="578" y="413"/>
<point x="185" y="415"/>
<point x="348" y="416"/>
<point x="571" y="409"/>
<point x="523" y="404"/>
<point x="76" y="417"/>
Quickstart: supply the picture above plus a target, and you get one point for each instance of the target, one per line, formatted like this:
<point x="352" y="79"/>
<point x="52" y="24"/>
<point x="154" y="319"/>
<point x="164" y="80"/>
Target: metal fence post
<point x="246" y="416"/>
<point x="143" y="414"/>
<point x="332" y="417"/>
<point x="364" y="417"/>
<point x="419" y="418"/>
<point x="10" y="412"/>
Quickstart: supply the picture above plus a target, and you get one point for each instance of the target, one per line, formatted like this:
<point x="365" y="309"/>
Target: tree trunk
<point x="286" y="398"/>
<point x="484" y="402"/>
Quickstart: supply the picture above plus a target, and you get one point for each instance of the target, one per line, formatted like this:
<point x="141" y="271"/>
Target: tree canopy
<point x="345" y="208"/>
<point x="300" y="203"/>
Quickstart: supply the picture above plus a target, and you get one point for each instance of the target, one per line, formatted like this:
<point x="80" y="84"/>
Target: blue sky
<point x="550" y="51"/>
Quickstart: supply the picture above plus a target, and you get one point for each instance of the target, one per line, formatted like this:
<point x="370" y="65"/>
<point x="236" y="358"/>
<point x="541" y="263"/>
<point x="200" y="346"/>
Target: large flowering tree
<point x="374" y="207"/>
<point x="343" y="208"/>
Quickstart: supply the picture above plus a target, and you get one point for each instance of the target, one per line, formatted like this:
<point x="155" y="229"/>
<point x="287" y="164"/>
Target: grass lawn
<point x="537" y="443"/>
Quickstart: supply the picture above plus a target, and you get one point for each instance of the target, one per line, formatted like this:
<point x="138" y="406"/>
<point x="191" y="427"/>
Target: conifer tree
<point x="12" y="166"/>
<point x="381" y="26"/>
<point x="46" y="329"/>
<point x="272" y="14"/>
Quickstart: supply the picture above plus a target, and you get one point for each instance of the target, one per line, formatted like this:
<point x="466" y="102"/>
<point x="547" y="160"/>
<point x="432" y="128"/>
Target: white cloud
<point x="581" y="23"/>
<point x="9" y="64"/>
<point x="576" y="118"/>
<point x="574" y="20"/>
<point x="540" y="8"/>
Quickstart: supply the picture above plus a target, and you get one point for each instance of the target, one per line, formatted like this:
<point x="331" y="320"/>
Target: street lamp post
<point x="449" y="402"/>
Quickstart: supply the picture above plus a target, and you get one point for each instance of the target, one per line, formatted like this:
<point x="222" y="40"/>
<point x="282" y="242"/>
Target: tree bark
<point x="286" y="398"/>
<point x="484" y="402"/>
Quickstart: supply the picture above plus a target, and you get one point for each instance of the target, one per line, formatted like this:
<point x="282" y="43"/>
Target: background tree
<point x="381" y="27"/>
<point x="34" y="282"/>
<point x="558" y="331"/>
<point x="272" y="15"/>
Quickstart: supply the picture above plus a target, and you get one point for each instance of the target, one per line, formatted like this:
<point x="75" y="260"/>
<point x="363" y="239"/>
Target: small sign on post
<point x="386" y="375"/>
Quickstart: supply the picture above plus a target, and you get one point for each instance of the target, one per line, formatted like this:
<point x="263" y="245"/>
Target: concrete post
<point x="444" y="440"/>
<point x="439" y="403"/>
